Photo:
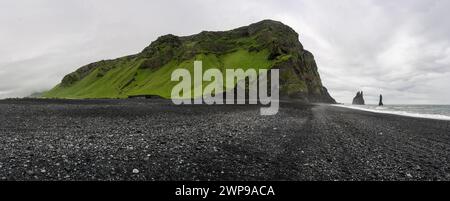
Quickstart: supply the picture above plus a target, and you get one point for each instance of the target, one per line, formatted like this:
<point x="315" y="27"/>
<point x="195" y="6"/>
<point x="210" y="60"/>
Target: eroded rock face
<point x="265" y="44"/>
<point x="359" y="98"/>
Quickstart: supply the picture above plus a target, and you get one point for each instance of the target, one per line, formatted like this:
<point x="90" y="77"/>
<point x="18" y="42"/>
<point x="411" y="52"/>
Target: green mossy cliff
<point x="267" y="44"/>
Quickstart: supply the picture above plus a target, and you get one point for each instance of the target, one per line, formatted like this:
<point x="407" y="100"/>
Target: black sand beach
<point x="155" y="140"/>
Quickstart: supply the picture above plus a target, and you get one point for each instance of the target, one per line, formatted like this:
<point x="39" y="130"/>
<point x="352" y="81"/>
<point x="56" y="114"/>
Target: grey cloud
<point x="398" y="48"/>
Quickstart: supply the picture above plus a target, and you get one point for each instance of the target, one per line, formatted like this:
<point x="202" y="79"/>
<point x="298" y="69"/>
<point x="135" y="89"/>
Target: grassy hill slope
<point x="266" y="44"/>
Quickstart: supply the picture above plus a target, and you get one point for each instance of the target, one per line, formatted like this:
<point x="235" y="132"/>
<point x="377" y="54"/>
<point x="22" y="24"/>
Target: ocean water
<point x="422" y="111"/>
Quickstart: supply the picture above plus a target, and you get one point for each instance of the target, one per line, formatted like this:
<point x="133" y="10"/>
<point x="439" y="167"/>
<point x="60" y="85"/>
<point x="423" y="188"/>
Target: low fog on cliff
<point x="398" y="48"/>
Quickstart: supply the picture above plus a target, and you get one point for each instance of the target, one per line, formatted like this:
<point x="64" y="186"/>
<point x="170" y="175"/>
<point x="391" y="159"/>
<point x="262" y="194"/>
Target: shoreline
<point x="397" y="113"/>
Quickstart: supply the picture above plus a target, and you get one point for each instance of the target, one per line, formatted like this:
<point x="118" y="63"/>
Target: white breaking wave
<point x="386" y="110"/>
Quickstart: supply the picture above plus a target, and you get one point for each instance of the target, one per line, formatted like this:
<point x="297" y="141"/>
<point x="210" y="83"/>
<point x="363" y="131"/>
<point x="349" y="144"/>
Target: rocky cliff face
<point x="267" y="44"/>
<point x="359" y="98"/>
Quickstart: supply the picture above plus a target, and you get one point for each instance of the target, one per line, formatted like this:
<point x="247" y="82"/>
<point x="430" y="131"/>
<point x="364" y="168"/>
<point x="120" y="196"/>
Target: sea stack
<point x="359" y="98"/>
<point x="381" y="101"/>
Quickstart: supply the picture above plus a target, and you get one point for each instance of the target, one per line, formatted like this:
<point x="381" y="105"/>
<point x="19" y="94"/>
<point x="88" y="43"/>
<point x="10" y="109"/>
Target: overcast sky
<point x="399" y="48"/>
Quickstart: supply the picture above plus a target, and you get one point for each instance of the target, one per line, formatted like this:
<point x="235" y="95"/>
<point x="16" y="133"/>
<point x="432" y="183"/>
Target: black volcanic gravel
<point x="156" y="140"/>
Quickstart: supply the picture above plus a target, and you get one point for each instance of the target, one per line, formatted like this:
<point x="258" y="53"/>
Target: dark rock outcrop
<point x="381" y="101"/>
<point x="359" y="98"/>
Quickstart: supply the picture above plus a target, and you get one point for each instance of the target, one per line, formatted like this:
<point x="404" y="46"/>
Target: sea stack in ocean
<point x="359" y="98"/>
<point x="381" y="101"/>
